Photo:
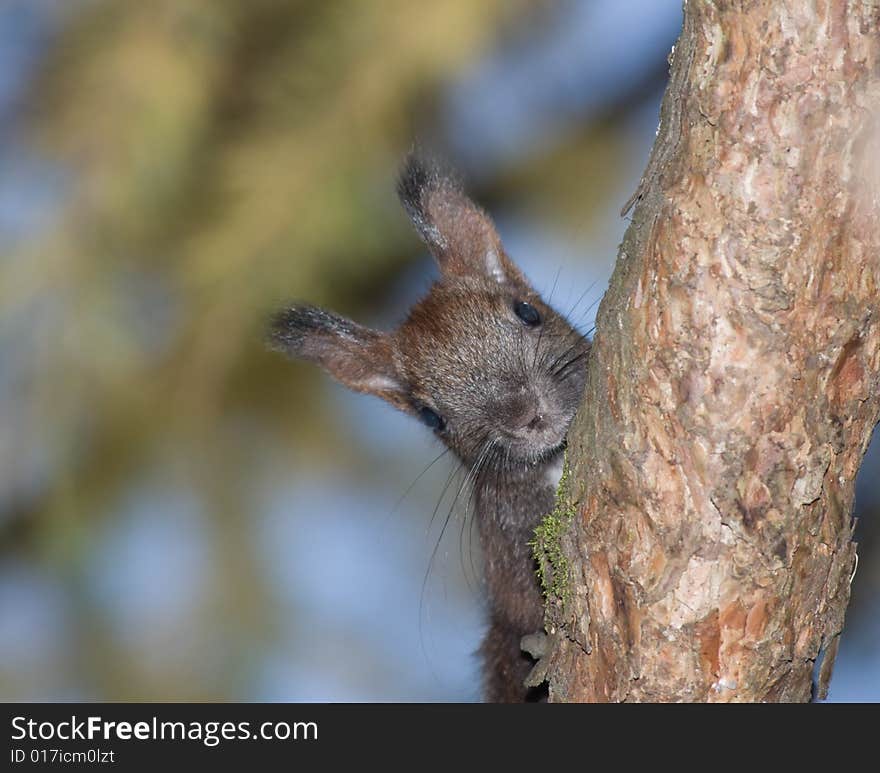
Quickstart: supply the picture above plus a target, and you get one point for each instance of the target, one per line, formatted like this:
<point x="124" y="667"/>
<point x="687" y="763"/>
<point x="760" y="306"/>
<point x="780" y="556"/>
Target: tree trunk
<point x="701" y="549"/>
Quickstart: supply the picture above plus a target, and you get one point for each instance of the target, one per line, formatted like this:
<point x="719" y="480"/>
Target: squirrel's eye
<point x="431" y="418"/>
<point x="527" y="313"/>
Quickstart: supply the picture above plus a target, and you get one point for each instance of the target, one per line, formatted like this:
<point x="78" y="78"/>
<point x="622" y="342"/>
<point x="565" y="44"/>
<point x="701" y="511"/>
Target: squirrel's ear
<point x="360" y="358"/>
<point x="460" y="235"/>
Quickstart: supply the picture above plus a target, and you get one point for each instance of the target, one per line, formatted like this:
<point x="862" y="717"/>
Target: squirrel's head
<point x="494" y="371"/>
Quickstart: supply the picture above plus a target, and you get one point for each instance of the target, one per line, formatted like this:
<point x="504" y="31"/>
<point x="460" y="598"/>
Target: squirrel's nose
<point x="533" y="419"/>
<point x="526" y="412"/>
<point x="537" y="422"/>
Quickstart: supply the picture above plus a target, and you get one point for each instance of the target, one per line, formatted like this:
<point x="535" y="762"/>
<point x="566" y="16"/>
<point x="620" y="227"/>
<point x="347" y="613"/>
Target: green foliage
<point x="224" y="157"/>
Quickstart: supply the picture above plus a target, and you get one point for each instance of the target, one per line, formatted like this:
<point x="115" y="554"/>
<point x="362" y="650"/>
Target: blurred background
<point x="184" y="515"/>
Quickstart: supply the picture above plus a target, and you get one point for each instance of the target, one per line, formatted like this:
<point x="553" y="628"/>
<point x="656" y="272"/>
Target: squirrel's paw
<point x="535" y="644"/>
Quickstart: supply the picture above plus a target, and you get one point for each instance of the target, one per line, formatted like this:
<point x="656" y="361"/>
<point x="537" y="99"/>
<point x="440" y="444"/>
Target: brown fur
<point x="500" y="390"/>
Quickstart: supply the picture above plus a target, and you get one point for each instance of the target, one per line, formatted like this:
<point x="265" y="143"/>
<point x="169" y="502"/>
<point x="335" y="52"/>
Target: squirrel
<point x="493" y="371"/>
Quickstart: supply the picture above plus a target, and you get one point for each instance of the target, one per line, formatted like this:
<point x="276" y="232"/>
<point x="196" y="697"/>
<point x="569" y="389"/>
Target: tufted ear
<point x="460" y="235"/>
<point x="358" y="357"/>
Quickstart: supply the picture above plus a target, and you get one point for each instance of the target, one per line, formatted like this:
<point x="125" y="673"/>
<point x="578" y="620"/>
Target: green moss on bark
<point x="554" y="572"/>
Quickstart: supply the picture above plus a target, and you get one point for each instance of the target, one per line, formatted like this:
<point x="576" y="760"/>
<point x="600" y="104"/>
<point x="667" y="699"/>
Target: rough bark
<point x="735" y="374"/>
